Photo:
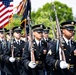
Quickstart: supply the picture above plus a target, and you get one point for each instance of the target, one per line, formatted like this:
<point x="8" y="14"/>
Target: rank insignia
<point x="50" y="52"/>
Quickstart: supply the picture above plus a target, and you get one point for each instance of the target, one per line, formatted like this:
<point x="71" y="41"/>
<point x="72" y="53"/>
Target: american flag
<point x="6" y="11"/>
<point x="20" y="7"/>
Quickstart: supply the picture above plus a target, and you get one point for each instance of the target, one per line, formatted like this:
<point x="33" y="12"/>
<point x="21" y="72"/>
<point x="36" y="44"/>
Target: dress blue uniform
<point x="40" y="52"/>
<point x="3" y="48"/>
<point x="16" y="67"/>
<point x="53" y="58"/>
<point x="48" y="40"/>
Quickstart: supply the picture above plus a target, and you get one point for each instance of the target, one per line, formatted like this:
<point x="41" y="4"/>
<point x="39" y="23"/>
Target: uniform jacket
<point x="52" y="59"/>
<point x="3" y="48"/>
<point x="48" y="40"/>
<point x="16" y="67"/>
<point x="38" y="53"/>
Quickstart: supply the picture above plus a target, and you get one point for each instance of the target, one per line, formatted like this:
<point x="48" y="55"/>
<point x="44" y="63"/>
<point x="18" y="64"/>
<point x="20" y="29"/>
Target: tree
<point x="43" y="14"/>
<point x="63" y="12"/>
<point x="14" y="21"/>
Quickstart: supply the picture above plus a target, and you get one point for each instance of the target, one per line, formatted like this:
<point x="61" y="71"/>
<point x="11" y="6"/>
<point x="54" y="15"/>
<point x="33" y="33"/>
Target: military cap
<point x="38" y="27"/>
<point x="69" y="25"/>
<point x="3" y="30"/>
<point x="8" y="32"/>
<point x="46" y="30"/>
<point x="17" y="29"/>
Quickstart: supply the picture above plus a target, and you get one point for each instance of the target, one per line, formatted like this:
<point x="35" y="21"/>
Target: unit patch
<point x="50" y="52"/>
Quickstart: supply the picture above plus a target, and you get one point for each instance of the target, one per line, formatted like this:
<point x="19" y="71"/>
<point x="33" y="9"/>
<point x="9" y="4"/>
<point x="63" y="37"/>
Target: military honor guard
<point x="3" y="48"/>
<point x="63" y="60"/>
<point x="48" y="40"/>
<point x="8" y="35"/>
<point x="35" y="65"/>
<point x="46" y="34"/>
<point x="13" y="56"/>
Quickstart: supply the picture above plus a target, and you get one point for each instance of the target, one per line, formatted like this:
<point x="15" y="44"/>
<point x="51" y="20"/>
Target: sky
<point x="35" y="4"/>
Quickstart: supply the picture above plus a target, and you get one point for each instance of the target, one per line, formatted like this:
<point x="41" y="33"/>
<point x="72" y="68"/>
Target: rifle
<point x="31" y="46"/>
<point x="11" y="44"/>
<point x="59" y="35"/>
<point x="54" y="33"/>
<point x="53" y="29"/>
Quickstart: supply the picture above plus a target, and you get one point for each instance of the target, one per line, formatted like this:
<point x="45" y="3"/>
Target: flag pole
<point x="11" y="38"/>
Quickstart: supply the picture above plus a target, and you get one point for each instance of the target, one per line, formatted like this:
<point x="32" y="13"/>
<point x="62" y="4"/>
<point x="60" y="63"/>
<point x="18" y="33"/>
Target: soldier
<point x="54" y="55"/>
<point x="46" y="34"/>
<point x="13" y="56"/>
<point x="48" y="40"/>
<point x="46" y="37"/>
<point x="8" y="35"/>
<point x="36" y="66"/>
<point x="3" y="47"/>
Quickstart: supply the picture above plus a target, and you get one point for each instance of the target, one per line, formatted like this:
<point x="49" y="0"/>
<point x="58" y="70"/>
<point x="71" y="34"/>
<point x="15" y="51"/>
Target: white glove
<point x="32" y="64"/>
<point x="63" y="65"/>
<point x="12" y="59"/>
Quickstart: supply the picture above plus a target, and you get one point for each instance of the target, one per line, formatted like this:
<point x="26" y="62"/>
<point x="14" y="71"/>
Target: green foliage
<point x="43" y="14"/>
<point x="15" y="21"/>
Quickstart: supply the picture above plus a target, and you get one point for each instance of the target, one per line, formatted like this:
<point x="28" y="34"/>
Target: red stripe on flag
<point x="11" y="9"/>
<point x="4" y="19"/>
<point x="4" y="24"/>
<point x="5" y="14"/>
<point x="19" y="8"/>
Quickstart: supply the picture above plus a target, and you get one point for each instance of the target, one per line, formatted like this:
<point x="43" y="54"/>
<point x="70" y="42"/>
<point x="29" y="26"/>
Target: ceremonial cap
<point x="8" y="32"/>
<point x="38" y="27"/>
<point x="46" y="30"/>
<point x="17" y="29"/>
<point x="3" y="29"/>
<point x="69" y="25"/>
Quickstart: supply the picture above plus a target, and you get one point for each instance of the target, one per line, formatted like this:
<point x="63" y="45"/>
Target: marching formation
<point x="34" y="52"/>
<point x="38" y="54"/>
